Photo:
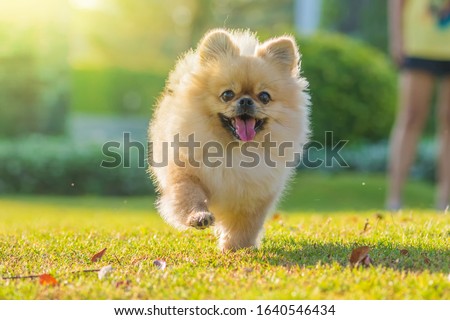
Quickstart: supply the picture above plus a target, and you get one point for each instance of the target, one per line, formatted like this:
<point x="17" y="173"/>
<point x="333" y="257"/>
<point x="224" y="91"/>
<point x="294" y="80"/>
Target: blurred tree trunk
<point x="54" y="68"/>
<point x="352" y="18"/>
<point x="364" y="19"/>
<point x="202" y="18"/>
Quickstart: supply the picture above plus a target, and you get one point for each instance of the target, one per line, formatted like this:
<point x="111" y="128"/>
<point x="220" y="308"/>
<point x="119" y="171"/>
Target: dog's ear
<point x="283" y="52"/>
<point x="216" y="44"/>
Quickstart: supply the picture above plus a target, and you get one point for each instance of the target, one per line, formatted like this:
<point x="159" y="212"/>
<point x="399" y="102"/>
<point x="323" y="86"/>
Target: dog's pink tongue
<point x="245" y="128"/>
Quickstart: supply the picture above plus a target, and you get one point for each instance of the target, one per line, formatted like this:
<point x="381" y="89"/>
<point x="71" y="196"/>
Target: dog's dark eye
<point x="227" y="95"/>
<point x="264" y="97"/>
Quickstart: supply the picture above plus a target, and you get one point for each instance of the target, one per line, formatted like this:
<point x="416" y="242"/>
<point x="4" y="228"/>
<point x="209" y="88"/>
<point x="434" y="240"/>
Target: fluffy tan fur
<point x="234" y="200"/>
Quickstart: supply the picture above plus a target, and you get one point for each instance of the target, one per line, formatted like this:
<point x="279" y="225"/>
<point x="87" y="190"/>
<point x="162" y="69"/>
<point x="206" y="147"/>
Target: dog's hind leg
<point x="243" y="231"/>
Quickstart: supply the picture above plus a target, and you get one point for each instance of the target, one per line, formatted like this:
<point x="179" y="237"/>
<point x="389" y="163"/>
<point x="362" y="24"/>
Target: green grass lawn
<point x="304" y="255"/>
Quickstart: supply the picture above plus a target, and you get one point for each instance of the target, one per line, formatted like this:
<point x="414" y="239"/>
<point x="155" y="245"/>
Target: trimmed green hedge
<point x="352" y="86"/>
<point x="42" y="165"/>
<point x="373" y="158"/>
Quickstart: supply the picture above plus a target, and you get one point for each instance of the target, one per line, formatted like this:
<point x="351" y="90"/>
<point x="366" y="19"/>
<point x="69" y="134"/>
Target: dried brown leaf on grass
<point x="96" y="257"/>
<point x="426" y="259"/>
<point x="47" y="280"/>
<point x="360" y="256"/>
<point x="125" y="284"/>
<point x="276" y="216"/>
<point x="404" y="252"/>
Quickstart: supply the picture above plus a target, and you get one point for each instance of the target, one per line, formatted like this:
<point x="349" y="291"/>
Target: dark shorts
<point x="439" y="68"/>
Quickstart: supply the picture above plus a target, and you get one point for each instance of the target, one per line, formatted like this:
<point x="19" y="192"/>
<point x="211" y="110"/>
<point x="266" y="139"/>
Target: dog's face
<point x="244" y="95"/>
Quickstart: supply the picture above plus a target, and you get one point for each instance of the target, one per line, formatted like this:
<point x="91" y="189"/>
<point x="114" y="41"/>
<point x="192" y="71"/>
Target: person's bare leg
<point x="443" y="172"/>
<point x="416" y="88"/>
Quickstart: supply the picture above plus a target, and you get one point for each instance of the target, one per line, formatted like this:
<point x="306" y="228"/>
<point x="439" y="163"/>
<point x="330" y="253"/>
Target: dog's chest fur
<point x="238" y="189"/>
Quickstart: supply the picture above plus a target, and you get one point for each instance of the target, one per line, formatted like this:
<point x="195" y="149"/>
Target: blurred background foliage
<point x="34" y="86"/>
<point x="363" y="19"/>
<point x="354" y="99"/>
<point x="75" y="74"/>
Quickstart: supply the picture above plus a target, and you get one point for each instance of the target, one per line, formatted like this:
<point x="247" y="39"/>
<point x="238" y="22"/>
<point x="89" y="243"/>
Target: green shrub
<point x="373" y="158"/>
<point x="352" y="86"/>
<point x="19" y="95"/>
<point x="115" y="91"/>
<point x="34" y="91"/>
<point x="58" y="166"/>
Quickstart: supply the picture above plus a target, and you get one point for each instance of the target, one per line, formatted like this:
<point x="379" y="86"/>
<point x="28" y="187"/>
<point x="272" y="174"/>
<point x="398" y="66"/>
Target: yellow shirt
<point x="426" y="25"/>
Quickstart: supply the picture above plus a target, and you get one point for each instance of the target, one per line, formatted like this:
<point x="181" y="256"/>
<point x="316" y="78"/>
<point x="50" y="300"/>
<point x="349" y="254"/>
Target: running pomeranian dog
<point x="226" y="134"/>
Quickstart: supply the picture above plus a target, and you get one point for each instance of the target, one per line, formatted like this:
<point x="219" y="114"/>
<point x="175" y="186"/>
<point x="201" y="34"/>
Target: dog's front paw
<point x="201" y="220"/>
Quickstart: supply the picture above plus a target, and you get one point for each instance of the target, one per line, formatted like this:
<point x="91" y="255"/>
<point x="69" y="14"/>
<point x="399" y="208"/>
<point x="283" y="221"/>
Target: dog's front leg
<point x="184" y="203"/>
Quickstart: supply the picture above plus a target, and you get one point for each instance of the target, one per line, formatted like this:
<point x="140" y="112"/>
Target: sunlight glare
<point x="85" y="4"/>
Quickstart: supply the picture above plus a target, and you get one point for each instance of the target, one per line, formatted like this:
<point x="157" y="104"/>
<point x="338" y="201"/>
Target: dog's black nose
<point x="245" y="106"/>
<point x="245" y="102"/>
